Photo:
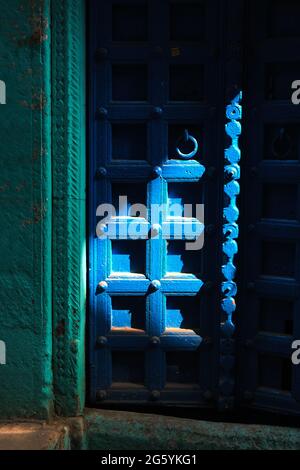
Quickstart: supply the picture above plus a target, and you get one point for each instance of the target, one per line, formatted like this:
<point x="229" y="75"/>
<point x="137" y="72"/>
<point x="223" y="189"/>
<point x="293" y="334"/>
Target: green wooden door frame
<point x="69" y="228"/>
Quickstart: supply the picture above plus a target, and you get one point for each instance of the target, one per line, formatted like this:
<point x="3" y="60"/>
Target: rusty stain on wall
<point x="39" y="102"/>
<point x="60" y="328"/>
<point x="38" y="215"/>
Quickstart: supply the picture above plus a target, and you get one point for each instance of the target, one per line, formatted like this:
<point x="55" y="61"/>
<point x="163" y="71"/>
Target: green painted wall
<point x="25" y="209"/>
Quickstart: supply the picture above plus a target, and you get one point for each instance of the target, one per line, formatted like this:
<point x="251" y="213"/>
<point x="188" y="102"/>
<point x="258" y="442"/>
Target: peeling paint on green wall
<point x="25" y="209"/>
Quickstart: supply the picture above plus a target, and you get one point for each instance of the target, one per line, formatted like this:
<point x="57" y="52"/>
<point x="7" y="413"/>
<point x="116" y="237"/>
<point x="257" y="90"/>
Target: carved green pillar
<point x="69" y="233"/>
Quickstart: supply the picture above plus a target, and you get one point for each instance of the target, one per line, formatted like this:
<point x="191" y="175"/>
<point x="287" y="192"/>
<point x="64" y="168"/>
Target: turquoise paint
<point x="42" y="240"/>
<point x="25" y="210"/>
<point x="69" y="227"/>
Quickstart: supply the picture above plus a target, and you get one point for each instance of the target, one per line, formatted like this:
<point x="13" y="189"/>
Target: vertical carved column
<point x="230" y="249"/>
<point x="69" y="266"/>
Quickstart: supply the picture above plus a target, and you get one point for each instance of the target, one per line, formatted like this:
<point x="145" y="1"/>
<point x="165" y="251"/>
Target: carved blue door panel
<point x="270" y="269"/>
<point x="157" y="137"/>
<point x="164" y="79"/>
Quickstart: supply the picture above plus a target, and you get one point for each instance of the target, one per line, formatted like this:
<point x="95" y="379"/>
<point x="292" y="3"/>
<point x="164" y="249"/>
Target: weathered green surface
<point x="114" y="430"/>
<point x="42" y="235"/>
<point x="25" y="209"/>
<point x="69" y="229"/>
<point x="117" y="430"/>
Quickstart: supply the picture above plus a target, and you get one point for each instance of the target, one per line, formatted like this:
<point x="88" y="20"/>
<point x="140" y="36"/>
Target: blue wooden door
<point x="157" y="108"/>
<point x="270" y="265"/>
<point x="162" y="317"/>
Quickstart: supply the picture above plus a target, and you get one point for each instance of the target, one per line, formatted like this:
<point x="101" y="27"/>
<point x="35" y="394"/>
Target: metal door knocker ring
<point x="187" y="138"/>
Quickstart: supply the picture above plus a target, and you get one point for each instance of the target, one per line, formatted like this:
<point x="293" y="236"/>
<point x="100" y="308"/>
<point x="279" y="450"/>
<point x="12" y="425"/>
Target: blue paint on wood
<point x="231" y="212"/>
